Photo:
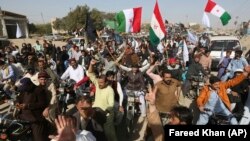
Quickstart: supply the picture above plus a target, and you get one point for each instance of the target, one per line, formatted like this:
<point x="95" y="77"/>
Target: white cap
<point x="238" y="70"/>
<point x="85" y="136"/>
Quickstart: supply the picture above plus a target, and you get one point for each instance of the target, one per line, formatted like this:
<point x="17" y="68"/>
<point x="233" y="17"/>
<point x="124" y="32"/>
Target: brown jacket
<point x="205" y="92"/>
<point x="166" y="97"/>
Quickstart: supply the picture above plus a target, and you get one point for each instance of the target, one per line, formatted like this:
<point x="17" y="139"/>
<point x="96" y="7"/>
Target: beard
<point x="168" y="82"/>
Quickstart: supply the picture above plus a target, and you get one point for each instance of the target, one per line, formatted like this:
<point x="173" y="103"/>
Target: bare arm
<point x="119" y="90"/>
<point x="150" y="73"/>
<point x="90" y="73"/>
<point x="144" y="68"/>
<point x="124" y="68"/>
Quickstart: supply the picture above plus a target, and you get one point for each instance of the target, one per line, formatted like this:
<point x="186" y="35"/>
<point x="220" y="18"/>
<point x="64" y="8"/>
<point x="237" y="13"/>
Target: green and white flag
<point x="218" y="11"/>
<point x="129" y="20"/>
<point x="157" y="29"/>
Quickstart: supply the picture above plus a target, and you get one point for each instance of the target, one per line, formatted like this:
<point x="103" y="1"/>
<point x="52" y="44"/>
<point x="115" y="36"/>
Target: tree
<point x="96" y="15"/>
<point x="76" y="19"/>
<point x="32" y="28"/>
<point x="43" y="28"/>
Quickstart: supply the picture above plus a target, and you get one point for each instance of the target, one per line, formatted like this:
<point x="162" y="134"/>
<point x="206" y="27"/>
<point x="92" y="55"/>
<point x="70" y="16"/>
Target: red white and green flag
<point x="157" y="29"/>
<point x="129" y="20"/>
<point x="218" y="11"/>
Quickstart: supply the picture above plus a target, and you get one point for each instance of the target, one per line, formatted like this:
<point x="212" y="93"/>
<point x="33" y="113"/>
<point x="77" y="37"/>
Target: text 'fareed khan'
<point x="198" y="132"/>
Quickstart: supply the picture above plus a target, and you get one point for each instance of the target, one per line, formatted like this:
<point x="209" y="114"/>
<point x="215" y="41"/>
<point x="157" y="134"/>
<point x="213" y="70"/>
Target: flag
<point x="18" y="31"/>
<point x="185" y="53"/>
<point x="218" y="11"/>
<point x="221" y="56"/>
<point x="90" y="29"/>
<point x="129" y="20"/>
<point x="157" y="29"/>
<point x="205" y="20"/>
<point x="192" y="38"/>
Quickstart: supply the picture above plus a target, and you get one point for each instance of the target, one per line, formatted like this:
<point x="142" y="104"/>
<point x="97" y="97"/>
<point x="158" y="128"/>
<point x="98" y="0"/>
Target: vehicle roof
<point x="78" y="38"/>
<point x="223" y="38"/>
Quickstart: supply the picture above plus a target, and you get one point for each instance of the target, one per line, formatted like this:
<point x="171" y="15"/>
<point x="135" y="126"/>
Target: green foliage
<point x="97" y="18"/>
<point x="109" y="16"/>
<point x="146" y="27"/>
<point x="43" y="28"/>
<point x="32" y="28"/>
<point x="76" y="19"/>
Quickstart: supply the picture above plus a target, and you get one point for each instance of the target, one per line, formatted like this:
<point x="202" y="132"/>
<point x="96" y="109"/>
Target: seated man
<point x="214" y="98"/>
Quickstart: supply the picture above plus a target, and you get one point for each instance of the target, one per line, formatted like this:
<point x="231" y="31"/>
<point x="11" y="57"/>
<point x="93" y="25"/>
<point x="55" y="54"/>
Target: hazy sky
<point x="173" y="10"/>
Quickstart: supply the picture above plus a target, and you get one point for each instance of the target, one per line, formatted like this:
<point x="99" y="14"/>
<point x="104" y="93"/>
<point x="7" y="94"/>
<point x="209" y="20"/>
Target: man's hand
<point x="247" y="69"/>
<point x="65" y="129"/>
<point x="157" y="63"/>
<point x="93" y="62"/>
<point x="21" y="106"/>
<point x="116" y="63"/>
<point x="201" y="108"/>
<point x="46" y="112"/>
<point x="235" y="93"/>
<point x="150" y="97"/>
<point x="121" y="109"/>
<point x="75" y="87"/>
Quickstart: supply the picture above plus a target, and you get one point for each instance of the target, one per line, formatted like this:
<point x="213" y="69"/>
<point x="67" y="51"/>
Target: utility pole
<point x="42" y="17"/>
<point x="44" y="22"/>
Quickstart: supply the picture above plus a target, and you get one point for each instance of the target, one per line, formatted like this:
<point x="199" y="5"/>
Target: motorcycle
<point x="132" y="108"/>
<point x="15" y="130"/>
<point x="197" y="83"/>
<point x="12" y="128"/>
<point x="66" y="95"/>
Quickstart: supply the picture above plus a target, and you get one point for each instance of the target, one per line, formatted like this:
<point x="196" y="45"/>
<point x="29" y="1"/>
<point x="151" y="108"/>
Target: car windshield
<point x="226" y="44"/>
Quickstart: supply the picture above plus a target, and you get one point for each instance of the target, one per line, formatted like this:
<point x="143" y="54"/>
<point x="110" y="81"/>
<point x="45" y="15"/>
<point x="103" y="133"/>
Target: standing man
<point x="167" y="94"/>
<point x="104" y="99"/>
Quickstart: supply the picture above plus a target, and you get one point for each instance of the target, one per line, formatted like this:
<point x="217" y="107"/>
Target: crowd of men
<point x="109" y="72"/>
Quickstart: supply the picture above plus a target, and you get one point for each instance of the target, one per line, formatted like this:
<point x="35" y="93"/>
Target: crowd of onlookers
<point x="110" y="72"/>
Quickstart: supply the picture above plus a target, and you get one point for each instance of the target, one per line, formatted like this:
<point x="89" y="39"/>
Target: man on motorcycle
<point x="74" y="71"/>
<point x="136" y="84"/>
<point x="104" y="99"/>
<point x="193" y="70"/>
<point x="32" y="102"/>
<point x="214" y="99"/>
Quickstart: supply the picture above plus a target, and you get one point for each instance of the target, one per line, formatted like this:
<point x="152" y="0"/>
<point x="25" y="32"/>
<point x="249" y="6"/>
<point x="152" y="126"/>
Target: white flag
<point x="192" y="38"/>
<point x="185" y="53"/>
<point x="205" y="20"/>
<point x="18" y="31"/>
<point x="221" y="56"/>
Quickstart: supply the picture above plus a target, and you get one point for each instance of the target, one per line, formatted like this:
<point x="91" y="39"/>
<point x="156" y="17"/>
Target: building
<point x="9" y="22"/>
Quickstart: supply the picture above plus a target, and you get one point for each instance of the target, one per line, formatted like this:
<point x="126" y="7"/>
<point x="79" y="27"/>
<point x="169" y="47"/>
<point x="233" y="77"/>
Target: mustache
<point x="85" y="108"/>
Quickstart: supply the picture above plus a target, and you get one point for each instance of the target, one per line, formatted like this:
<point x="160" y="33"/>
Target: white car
<point x="53" y="37"/>
<point x="223" y="43"/>
<point x="77" y="40"/>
